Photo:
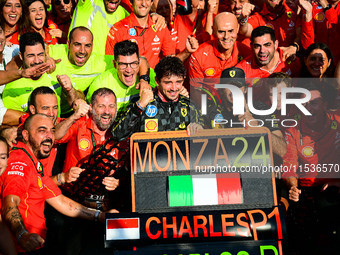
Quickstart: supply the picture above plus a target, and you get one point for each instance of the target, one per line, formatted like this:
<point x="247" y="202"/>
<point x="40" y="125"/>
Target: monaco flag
<point x="122" y="229"/>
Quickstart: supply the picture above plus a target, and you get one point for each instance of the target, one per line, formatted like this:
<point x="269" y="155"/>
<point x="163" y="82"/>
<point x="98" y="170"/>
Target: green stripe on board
<point x="180" y="190"/>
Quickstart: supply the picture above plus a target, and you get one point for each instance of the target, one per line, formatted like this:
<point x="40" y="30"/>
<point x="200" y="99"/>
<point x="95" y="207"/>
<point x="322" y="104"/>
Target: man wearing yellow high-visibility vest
<point x="99" y="16"/>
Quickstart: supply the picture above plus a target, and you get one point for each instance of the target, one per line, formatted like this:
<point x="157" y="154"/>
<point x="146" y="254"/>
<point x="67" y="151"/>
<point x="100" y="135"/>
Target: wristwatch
<point x="145" y="77"/>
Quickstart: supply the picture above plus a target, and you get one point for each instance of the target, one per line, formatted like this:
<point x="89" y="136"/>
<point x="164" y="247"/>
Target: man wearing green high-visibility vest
<point x="99" y="16"/>
<point x="32" y="53"/>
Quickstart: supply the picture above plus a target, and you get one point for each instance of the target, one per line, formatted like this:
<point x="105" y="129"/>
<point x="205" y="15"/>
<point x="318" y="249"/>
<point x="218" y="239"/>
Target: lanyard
<point x="39" y="168"/>
<point x="94" y="142"/>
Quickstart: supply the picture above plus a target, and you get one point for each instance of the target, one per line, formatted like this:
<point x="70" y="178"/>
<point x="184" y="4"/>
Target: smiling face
<point x="46" y="104"/>
<point x="40" y="136"/>
<point x="141" y="8"/>
<point x="63" y="8"/>
<point x="225" y="30"/>
<point x="104" y="111"/>
<point x="80" y="47"/>
<point x="111" y="5"/>
<point x="264" y="49"/>
<point x="317" y="63"/>
<point x="170" y="86"/>
<point x="33" y="55"/>
<point x="127" y="69"/>
<point x="37" y="15"/>
<point x="235" y="6"/>
<point x="12" y="12"/>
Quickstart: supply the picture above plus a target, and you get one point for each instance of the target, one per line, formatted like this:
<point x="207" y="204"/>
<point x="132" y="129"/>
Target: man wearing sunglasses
<point x="124" y="77"/>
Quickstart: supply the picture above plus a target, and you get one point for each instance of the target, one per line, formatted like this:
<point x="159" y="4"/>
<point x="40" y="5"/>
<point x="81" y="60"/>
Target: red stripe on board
<point x="229" y="188"/>
<point x="122" y="223"/>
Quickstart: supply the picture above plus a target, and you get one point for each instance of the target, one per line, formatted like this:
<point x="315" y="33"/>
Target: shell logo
<point x="84" y="144"/>
<point x="151" y="125"/>
<point x="210" y="71"/>
<point x="319" y="16"/>
<point x="40" y="182"/>
<point x="308" y="151"/>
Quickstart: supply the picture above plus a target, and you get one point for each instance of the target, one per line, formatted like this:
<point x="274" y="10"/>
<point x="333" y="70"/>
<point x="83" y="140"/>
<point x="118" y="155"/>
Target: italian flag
<point x="122" y="229"/>
<point x="204" y="189"/>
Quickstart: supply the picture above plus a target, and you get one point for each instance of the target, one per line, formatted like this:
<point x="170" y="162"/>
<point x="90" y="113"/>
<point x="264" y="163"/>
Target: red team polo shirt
<point x="253" y="71"/>
<point x="324" y="27"/>
<point x="305" y="146"/>
<point x="80" y="143"/>
<point x="22" y="179"/>
<point x="208" y="62"/>
<point x="183" y="27"/>
<point x="284" y="25"/>
<point x="151" y="43"/>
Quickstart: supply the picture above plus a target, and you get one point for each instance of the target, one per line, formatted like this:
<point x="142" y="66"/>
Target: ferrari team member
<point x="214" y="56"/>
<point x="280" y="17"/>
<point x="266" y="57"/>
<point x="25" y="187"/>
<point x="162" y="110"/>
<point x="313" y="149"/>
<point x="32" y="52"/>
<point x="320" y="24"/>
<point x="124" y="77"/>
<point x="139" y="27"/>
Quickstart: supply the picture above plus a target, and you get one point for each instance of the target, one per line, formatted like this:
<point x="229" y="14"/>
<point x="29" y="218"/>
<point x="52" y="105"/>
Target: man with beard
<point x="25" y="187"/>
<point x="84" y="134"/>
<point x="313" y="149"/>
<point x="278" y="16"/>
<point x="99" y="16"/>
<point x="267" y="58"/>
<point x="32" y="53"/>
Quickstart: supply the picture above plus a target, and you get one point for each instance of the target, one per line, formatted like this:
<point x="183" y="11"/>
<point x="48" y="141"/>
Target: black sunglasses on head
<point x="58" y="2"/>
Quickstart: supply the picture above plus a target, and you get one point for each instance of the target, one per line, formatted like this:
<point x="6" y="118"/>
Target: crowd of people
<point x="78" y="78"/>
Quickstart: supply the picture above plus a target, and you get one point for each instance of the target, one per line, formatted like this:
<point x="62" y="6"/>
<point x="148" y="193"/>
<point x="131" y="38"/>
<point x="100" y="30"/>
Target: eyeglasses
<point x="123" y="66"/>
<point x="58" y="2"/>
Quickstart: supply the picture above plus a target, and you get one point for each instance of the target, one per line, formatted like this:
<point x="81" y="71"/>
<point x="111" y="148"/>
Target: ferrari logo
<point x="289" y="14"/>
<point x="184" y="112"/>
<point x="232" y="73"/>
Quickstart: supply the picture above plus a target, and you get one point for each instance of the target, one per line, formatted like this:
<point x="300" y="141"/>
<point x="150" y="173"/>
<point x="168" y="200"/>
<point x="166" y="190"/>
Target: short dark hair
<point x="43" y="90"/>
<point x="170" y="66"/>
<point x="3" y="139"/>
<point x="30" y="39"/>
<point x="101" y="92"/>
<point x="125" y="48"/>
<point x="276" y="78"/>
<point x="28" y="121"/>
<point x="261" y="31"/>
<point x="81" y="28"/>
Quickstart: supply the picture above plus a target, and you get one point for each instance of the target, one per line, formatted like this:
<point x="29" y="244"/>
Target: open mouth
<point x="12" y="17"/>
<point x="105" y="119"/>
<point x="46" y="145"/>
<point x="81" y="58"/>
<point x="112" y="5"/>
<point x="263" y="58"/>
<point x="129" y="77"/>
<point x="39" y="20"/>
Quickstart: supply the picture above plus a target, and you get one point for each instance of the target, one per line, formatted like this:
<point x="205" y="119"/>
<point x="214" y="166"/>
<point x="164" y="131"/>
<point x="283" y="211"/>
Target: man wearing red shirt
<point x="25" y="188"/>
<point x="212" y="57"/>
<point x="321" y="24"/>
<point x="280" y="17"/>
<point x="139" y="27"/>
<point x="267" y="58"/>
<point x="311" y="172"/>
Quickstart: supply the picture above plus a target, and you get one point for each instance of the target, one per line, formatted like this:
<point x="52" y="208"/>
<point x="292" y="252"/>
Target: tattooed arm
<point x="28" y="241"/>
<point x="71" y="208"/>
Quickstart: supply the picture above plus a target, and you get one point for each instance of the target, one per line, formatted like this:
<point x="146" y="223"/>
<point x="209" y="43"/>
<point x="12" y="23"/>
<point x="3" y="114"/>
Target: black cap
<point x="233" y="75"/>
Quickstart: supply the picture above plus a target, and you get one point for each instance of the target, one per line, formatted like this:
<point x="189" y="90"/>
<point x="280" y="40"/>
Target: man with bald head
<point x="212" y="57"/>
<point x="26" y="187"/>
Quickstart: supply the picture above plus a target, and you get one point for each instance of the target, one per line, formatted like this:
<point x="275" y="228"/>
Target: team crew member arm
<point x="30" y="241"/>
<point x="69" y="92"/>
